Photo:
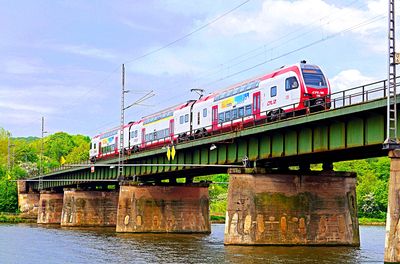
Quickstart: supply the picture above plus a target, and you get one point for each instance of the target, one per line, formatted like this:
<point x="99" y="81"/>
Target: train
<point x="290" y="90"/>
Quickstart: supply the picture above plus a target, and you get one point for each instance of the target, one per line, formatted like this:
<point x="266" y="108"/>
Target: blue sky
<point x="62" y="59"/>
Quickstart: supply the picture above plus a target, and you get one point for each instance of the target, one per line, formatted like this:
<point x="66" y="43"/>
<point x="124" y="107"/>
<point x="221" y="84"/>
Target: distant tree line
<point x="21" y="157"/>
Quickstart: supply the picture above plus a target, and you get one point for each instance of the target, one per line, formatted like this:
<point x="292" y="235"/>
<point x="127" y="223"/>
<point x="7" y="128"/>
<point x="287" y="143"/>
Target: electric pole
<point x="121" y="129"/>
<point x="391" y="141"/>
<point x="8" y="151"/>
<point x="41" y="156"/>
<point x="122" y="122"/>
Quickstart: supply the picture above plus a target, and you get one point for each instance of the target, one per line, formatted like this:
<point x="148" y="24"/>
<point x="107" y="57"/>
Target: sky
<point x="62" y="60"/>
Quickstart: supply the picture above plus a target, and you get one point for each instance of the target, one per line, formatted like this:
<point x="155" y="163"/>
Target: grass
<point x="217" y="219"/>
<point x="371" y="221"/>
<point x="11" y="218"/>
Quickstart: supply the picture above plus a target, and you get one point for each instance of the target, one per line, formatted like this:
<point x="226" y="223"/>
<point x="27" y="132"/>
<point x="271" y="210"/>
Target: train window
<point x="234" y="114"/>
<point x="151" y="136"/>
<point x="248" y="110"/>
<point x="166" y="132"/>
<point x="227" y="115"/>
<point x="136" y="133"/>
<point x="221" y="117"/>
<point x="273" y="91"/>
<point x="181" y="120"/>
<point x="205" y="112"/>
<point x="186" y="118"/>
<point x="241" y="112"/>
<point x="198" y="118"/>
<point x="91" y="146"/>
<point x="94" y="146"/>
<point x="291" y="83"/>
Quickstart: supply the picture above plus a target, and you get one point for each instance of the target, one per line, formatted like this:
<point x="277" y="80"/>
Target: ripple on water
<point x="23" y="243"/>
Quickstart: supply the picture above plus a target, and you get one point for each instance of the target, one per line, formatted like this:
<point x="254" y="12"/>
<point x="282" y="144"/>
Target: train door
<point x="171" y="129"/>
<point x="292" y="90"/>
<point x="143" y="137"/>
<point x="256" y="104"/>
<point x="100" y="149"/>
<point x="116" y="145"/>
<point x="214" y="120"/>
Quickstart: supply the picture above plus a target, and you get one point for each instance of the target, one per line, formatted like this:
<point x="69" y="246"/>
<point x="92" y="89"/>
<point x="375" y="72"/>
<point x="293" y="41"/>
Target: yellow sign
<point x="173" y="152"/>
<point x="397" y="58"/>
<point x="62" y="160"/>
<point x="227" y="103"/>
<point x="168" y="153"/>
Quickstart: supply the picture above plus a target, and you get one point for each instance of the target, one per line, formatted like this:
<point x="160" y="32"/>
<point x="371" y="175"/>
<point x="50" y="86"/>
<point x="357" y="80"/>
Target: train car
<point x="294" y="89"/>
<point x="159" y="129"/>
<point x="133" y="136"/>
<point x="105" y="145"/>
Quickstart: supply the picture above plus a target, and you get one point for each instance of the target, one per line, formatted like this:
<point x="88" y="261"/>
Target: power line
<point x="297" y="49"/>
<point x="187" y="35"/>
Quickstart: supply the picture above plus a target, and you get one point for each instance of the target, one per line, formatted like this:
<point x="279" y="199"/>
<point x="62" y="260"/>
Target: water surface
<point x="24" y="243"/>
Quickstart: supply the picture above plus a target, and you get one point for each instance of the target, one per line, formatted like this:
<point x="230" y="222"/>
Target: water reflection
<point x="52" y="244"/>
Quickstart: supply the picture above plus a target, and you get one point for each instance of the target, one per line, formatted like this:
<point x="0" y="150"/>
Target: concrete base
<point x="28" y="202"/>
<point x="278" y="209"/>
<point x="50" y="208"/>
<point x="89" y="208"/>
<point x="162" y="209"/>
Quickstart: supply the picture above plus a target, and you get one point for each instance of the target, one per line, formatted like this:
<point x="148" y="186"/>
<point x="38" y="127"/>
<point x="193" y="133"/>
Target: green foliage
<point x="8" y="191"/>
<point x="57" y="145"/>
<point x="218" y="192"/>
<point x="24" y="156"/>
<point x="372" y="185"/>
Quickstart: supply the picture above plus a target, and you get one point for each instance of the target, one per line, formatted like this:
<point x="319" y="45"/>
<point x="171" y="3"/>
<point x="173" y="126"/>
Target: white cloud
<point x="277" y="18"/>
<point x="26" y="107"/>
<point x="86" y="51"/>
<point x="348" y="79"/>
<point x="24" y="66"/>
<point x="166" y="63"/>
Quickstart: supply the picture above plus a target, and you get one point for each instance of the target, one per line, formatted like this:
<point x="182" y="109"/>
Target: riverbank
<point x="14" y="218"/>
<point x="372" y="221"/>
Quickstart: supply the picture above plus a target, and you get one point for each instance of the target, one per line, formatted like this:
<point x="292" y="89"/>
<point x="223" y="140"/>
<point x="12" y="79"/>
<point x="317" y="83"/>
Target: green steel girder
<point x="355" y="131"/>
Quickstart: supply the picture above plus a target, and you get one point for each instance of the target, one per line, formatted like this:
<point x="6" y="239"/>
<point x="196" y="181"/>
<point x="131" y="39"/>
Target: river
<point x="23" y="243"/>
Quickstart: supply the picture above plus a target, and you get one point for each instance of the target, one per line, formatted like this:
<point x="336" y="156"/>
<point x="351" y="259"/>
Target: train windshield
<point x="314" y="78"/>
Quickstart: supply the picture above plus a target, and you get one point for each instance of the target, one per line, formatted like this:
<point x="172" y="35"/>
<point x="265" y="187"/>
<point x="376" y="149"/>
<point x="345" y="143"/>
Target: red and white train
<point x="290" y="89"/>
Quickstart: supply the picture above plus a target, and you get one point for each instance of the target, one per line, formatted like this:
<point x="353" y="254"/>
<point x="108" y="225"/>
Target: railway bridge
<point x="273" y="198"/>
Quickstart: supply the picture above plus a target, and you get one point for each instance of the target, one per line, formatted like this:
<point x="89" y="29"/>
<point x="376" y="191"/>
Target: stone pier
<point x="28" y="201"/>
<point x="392" y="241"/>
<point x="293" y="208"/>
<point x="164" y="209"/>
<point x="50" y="208"/>
<point x="89" y="208"/>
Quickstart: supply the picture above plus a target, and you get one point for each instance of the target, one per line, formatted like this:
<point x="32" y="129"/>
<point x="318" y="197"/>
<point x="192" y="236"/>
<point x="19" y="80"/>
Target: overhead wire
<point x="249" y="52"/>
<point x="187" y="35"/>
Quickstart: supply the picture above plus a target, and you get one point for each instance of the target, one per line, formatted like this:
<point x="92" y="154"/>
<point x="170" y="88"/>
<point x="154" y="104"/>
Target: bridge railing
<point x="356" y="95"/>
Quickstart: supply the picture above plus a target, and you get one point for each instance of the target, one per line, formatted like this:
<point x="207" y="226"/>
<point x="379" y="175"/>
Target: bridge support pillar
<point x="89" y="208"/>
<point x="164" y="209"/>
<point x="392" y="241"/>
<point x="292" y="208"/>
<point x="28" y="201"/>
<point x="50" y="208"/>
